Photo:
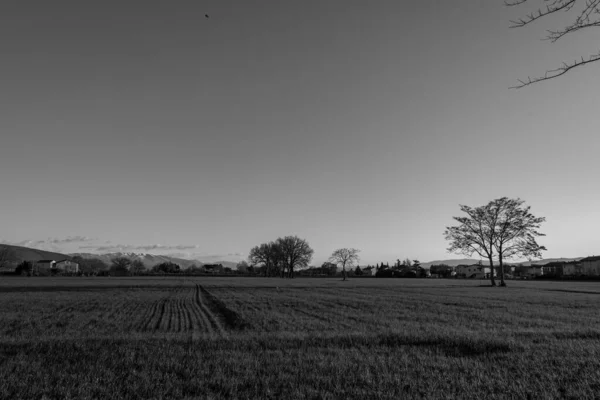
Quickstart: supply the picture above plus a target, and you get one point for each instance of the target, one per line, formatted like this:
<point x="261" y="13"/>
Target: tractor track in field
<point x="146" y="323"/>
<point x="195" y="312"/>
<point x="212" y="318"/>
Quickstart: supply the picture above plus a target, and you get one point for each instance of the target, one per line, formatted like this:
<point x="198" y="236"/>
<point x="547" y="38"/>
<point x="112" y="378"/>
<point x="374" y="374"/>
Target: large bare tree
<point x="584" y="14"/>
<point x="516" y="231"/>
<point x="296" y="253"/>
<point x="346" y="258"/>
<point x="270" y="256"/>
<point x="504" y="228"/>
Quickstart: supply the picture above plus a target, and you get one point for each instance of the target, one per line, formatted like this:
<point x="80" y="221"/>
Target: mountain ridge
<point x="150" y="260"/>
<point x="18" y="254"/>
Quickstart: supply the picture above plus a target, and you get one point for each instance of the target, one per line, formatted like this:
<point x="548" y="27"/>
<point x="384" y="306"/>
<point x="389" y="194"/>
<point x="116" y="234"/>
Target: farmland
<point x="300" y="338"/>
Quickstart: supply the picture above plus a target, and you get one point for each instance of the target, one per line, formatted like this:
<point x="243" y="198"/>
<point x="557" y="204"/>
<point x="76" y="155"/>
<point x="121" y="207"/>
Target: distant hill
<point x="453" y="262"/>
<point x="547" y="260"/>
<point x="19" y="253"/>
<point x="471" y="261"/>
<point x="150" y="260"/>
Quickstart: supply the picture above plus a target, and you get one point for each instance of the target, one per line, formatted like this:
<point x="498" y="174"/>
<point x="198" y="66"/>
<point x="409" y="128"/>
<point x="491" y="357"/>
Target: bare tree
<point x="295" y="252"/>
<point x="346" y="258"/>
<point x="516" y="230"/>
<point x="137" y="267"/>
<point x="586" y="14"/>
<point x="120" y="264"/>
<point x="501" y="229"/>
<point x="242" y="267"/>
<point x="270" y="256"/>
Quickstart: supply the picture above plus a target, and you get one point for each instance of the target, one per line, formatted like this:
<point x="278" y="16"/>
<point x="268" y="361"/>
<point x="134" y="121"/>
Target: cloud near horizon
<point x="71" y="239"/>
<point x="50" y="240"/>
<point x="133" y="248"/>
<point x="86" y="244"/>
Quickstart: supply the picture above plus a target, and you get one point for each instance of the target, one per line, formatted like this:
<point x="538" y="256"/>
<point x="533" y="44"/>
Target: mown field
<point x="302" y="338"/>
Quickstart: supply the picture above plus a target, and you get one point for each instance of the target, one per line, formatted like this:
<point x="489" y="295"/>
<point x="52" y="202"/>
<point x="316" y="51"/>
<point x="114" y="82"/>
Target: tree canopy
<point x="282" y="256"/>
<point x="502" y="229"/>
<point x="345" y="258"/>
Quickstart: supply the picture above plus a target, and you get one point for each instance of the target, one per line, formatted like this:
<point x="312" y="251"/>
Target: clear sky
<point x="146" y="127"/>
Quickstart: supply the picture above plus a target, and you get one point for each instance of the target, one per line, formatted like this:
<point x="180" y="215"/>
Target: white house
<point x="474" y="271"/>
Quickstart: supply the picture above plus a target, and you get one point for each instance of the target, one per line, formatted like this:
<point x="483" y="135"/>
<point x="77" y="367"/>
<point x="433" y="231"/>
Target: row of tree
<point x="282" y="256"/>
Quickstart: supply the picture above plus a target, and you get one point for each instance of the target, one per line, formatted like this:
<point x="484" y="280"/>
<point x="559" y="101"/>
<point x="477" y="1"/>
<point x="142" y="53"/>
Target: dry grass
<point x="302" y="338"/>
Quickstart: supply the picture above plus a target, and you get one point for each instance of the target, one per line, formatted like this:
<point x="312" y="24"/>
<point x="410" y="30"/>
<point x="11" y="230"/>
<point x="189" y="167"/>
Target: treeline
<point x="401" y="269"/>
<point x="281" y="257"/>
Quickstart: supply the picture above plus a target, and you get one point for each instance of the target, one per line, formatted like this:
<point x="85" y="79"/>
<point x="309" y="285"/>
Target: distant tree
<point x="91" y="265"/>
<point x="294" y="252"/>
<point x="242" y="267"/>
<point x="587" y="15"/>
<point x="358" y="271"/>
<point x="137" y="267"/>
<point x="24" y="268"/>
<point x="442" y="270"/>
<point x="345" y="258"/>
<point x="270" y="256"/>
<point x="120" y="265"/>
<point x="329" y="268"/>
<point x="416" y="264"/>
<point x="191" y="269"/>
<point x="503" y="228"/>
<point x="166" y="268"/>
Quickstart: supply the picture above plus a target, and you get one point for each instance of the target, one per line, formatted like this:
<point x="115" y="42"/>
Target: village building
<point x="66" y="266"/>
<point x="553" y="269"/>
<point x="475" y="271"/>
<point x="573" y="269"/>
<point x="590" y="266"/>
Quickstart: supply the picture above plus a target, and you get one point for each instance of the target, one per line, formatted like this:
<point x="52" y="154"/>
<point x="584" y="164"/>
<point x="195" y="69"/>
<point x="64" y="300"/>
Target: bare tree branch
<point x="586" y="16"/>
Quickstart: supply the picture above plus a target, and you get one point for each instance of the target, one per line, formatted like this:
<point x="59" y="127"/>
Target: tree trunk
<point x="502" y="283"/>
<point x="493" y="280"/>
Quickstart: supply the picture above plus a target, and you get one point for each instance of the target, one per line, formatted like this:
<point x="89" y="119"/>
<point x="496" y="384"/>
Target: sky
<point x="147" y="127"/>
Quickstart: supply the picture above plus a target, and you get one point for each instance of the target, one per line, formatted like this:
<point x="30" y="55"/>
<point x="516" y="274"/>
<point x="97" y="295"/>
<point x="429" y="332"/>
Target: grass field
<point x="302" y="338"/>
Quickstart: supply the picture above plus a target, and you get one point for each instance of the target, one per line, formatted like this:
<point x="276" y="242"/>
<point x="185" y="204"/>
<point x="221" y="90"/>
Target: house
<point x="368" y="271"/>
<point x="573" y="269"/>
<point x="52" y="266"/>
<point x="553" y="269"/>
<point x="590" y="266"/>
<point x="213" y="268"/>
<point x="527" y="271"/>
<point x="43" y="267"/>
<point x="535" y="271"/>
<point x="475" y="271"/>
<point x="44" y="263"/>
<point x="66" y="266"/>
